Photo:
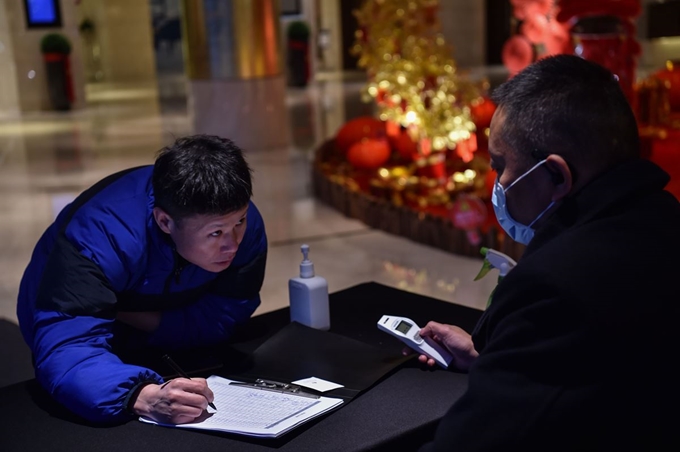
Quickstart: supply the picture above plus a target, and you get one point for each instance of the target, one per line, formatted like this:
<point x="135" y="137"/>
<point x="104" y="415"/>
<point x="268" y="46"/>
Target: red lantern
<point x="357" y="129"/>
<point x="369" y="153"/>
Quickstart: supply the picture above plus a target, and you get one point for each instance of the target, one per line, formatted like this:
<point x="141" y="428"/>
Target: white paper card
<point x="317" y="384"/>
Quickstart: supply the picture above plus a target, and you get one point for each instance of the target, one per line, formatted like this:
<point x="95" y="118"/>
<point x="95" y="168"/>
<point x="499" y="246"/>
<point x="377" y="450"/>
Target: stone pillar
<point x="236" y="85"/>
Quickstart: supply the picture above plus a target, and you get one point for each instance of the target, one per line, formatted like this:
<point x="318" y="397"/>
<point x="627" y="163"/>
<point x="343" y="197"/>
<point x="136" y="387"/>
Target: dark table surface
<point x="400" y="412"/>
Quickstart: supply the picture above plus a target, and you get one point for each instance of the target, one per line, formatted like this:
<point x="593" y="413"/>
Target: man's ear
<point x="561" y="176"/>
<point x="163" y="220"/>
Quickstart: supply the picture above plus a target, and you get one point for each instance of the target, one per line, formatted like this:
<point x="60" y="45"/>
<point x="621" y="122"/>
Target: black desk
<point x="398" y="413"/>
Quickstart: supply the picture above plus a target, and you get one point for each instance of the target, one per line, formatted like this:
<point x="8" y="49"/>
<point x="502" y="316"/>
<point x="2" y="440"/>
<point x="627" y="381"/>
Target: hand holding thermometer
<point x="406" y="330"/>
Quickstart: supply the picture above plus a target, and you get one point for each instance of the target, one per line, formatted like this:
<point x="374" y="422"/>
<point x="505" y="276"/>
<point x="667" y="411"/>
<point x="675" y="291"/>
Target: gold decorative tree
<point x="413" y="77"/>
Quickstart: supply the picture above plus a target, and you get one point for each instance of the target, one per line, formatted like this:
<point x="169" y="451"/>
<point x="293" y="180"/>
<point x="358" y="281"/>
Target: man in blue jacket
<point x="165" y="256"/>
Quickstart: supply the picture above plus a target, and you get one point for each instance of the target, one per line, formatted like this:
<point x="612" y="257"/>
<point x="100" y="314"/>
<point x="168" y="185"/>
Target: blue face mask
<point x="518" y="232"/>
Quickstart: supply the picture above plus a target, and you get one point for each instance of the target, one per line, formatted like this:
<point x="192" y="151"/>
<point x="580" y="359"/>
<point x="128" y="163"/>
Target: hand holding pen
<point x="177" y="401"/>
<point x="182" y="374"/>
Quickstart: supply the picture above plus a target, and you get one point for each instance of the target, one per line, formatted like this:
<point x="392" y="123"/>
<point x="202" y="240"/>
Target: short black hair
<point x="568" y="106"/>
<point x="201" y="175"/>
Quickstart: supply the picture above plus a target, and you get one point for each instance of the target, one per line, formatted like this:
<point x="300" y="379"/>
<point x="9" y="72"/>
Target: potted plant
<point x="56" y="48"/>
<point x="298" y="53"/>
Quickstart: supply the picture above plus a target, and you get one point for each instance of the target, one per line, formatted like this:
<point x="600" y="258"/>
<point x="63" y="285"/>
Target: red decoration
<point x="571" y="10"/>
<point x="369" y="153"/>
<point x="357" y="129"/>
<point x="468" y="213"/>
<point x="425" y="146"/>
<point x="517" y="54"/>
<point x="672" y="76"/>
<point x="535" y="28"/>
<point x="465" y="149"/>
<point x="405" y="146"/>
<point x="433" y="167"/>
<point x="392" y="129"/>
<point x="557" y="40"/>
<point x="525" y="8"/>
<point x="482" y="112"/>
<point x="615" y="51"/>
<point x="381" y="96"/>
<point x="556" y="27"/>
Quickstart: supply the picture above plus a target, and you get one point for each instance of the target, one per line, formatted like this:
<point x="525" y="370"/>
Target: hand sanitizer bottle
<point x="309" y="296"/>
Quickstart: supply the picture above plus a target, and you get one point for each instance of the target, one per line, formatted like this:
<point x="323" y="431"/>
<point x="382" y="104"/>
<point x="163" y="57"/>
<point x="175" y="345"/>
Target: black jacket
<point x="578" y="348"/>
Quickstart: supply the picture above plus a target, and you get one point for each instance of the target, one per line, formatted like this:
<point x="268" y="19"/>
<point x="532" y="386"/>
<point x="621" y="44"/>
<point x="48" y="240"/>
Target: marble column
<point x="236" y="85"/>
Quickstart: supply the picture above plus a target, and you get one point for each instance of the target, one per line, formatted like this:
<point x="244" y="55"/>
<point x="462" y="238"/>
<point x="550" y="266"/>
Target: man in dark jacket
<point x="166" y="256"/>
<point x="578" y="346"/>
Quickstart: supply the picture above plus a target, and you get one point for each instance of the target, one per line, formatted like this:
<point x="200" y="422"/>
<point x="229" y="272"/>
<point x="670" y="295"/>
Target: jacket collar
<point x="615" y="187"/>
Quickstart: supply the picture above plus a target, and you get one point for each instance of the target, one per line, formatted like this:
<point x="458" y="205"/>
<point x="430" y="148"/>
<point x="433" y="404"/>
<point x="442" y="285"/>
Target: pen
<point x="181" y="373"/>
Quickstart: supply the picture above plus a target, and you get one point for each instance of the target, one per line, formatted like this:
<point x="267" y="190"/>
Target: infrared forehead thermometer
<point x="406" y="331"/>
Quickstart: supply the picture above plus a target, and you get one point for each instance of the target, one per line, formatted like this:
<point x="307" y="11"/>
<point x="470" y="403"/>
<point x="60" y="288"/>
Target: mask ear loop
<point x="555" y="176"/>
<point x="541" y="214"/>
<point x="524" y="175"/>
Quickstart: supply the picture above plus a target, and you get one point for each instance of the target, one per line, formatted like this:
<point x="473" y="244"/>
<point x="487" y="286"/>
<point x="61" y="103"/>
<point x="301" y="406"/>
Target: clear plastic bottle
<point x="308" y="295"/>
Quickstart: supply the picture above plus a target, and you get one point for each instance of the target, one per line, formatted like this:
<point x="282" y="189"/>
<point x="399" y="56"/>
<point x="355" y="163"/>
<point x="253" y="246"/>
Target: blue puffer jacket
<point x="105" y="254"/>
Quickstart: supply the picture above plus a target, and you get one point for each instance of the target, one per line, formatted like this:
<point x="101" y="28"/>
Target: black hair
<point x="201" y="175"/>
<point x="568" y="106"/>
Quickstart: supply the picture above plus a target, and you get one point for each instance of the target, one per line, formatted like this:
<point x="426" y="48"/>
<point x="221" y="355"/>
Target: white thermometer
<point x="406" y="330"/>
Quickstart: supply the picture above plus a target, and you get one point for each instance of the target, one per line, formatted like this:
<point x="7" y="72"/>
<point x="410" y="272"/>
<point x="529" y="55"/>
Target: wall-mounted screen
<point x="42" y="13"/>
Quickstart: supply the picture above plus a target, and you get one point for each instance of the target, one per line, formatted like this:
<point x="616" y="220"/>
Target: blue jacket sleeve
<point x="73" y="318"/>
<point x="74" y="362"/>
<point x="234" y="297"/>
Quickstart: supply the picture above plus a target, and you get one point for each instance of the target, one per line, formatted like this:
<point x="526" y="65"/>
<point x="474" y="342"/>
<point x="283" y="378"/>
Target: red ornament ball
<point x="356" y="130"/>
<point x="405" y="146"/>
<point x="369" y="153"/>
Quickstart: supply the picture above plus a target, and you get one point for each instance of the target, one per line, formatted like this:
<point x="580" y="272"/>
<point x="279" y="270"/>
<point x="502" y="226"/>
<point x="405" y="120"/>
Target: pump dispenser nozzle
<point x="308" y="295"/>
<point x="306" y="266"/>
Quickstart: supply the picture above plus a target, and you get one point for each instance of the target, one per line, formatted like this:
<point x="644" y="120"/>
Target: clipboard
<point x="297" y="351"/>
<point x="265" y="409"/>
<point x="276" y="386"/>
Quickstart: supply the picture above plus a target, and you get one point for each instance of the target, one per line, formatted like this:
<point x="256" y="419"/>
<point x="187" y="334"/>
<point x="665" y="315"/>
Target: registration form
<point x="253" y="411"/>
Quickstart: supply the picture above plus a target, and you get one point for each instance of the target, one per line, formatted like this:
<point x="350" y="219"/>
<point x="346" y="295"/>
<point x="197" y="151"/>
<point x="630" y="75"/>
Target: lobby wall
<point x="21" y="64"/>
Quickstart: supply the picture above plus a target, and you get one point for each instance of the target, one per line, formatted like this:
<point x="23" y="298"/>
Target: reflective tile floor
<point x="48" y="158"/>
